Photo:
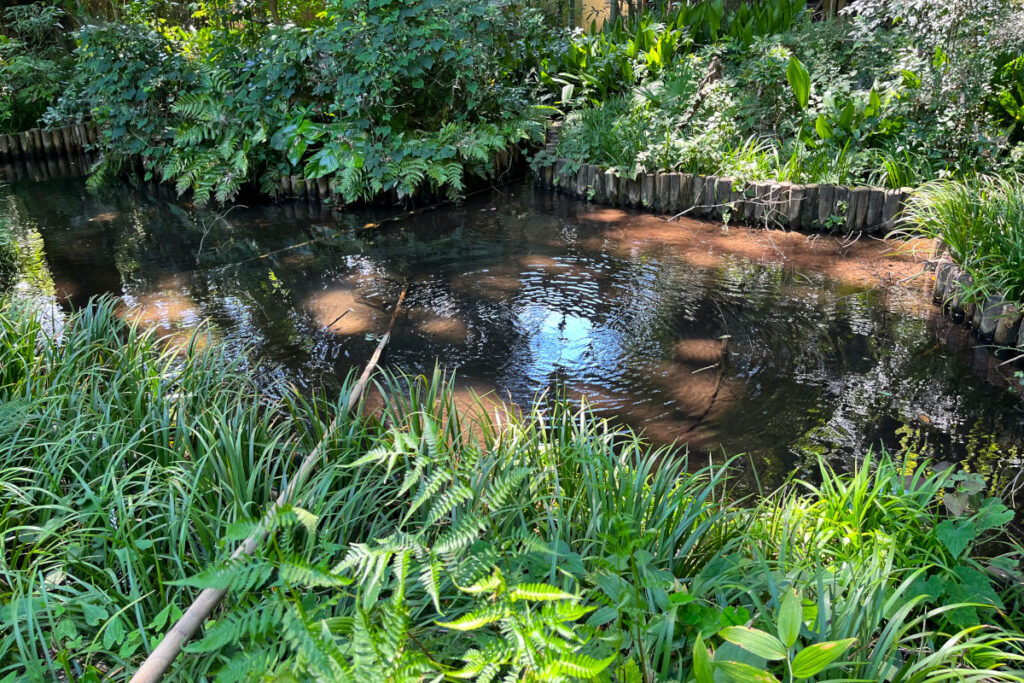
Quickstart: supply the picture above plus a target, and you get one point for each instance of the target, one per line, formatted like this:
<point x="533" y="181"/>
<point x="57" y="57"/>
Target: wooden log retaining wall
<point x="40" y="143"/>
<point x="871" y="210"/>
<point x="995" y="320"/>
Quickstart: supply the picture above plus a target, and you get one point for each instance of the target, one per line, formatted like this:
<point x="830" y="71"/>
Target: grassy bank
<point x="432" y="542"/>
<point x="981" y="222"/>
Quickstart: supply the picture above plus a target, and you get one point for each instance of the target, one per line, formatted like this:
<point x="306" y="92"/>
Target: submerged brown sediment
<point x="864" y="262"/>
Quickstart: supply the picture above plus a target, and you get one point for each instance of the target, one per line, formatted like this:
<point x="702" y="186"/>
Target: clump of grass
<point x="435" y="541"/>
<point x="981" y="221"/>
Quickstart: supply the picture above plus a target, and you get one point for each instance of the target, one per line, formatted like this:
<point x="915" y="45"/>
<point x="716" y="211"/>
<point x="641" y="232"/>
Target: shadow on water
<point x="781" y="346"/>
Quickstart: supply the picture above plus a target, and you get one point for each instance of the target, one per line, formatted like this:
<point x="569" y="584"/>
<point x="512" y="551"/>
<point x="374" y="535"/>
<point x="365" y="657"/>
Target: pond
<point x="777" y="345"/>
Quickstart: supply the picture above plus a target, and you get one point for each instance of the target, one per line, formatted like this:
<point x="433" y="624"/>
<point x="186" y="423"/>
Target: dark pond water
<point x="729" y="348"/>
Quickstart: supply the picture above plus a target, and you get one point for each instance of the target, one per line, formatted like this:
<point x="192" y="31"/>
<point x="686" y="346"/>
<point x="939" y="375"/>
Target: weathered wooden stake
<point x="876" y="203"/>
<point x="1007" y="326"/>
<point x="673" y="189"/>
<point x="697" y="197"/>
<point x="795" y="206"/>
<point x="958" y="285"/>
<point x="723" y="195"/>
<point x="633" y="191"/>
<point x="991" y="312"/>
<point x="68" y="134"/>
<point x="685" y="197"/>
<point x="944" y="271"/>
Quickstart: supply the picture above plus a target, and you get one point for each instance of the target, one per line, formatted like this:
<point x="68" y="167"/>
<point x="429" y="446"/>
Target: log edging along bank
<point x="48" y="143"/>
<point x="834" y="208"/>
<point x="996" y="320"/>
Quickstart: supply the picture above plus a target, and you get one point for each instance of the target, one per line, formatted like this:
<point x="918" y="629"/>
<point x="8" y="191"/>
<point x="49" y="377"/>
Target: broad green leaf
<point x="814" y="658"/>
<point x="744" y="673"/>
<point x="791" y="614"/>
<point x="823" y="128"/>
<point x="956" y="536"/>
<point x="874" y="103"/>
<point x="846" y="116"/>
<point x="703" y="668"/>
<point x="298" y="149"/>
<point x="800" y="80"/>
<point x="760" y="643"/>
<point x="567" y="90"/>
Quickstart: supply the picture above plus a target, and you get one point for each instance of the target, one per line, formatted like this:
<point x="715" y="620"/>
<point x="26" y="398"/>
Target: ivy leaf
<point x="977" y="586"/>
<point x="114" y="633"/>
<point x="992" y="515"/>
<point x="956" y="503"/>
<point x="94" y="614"/>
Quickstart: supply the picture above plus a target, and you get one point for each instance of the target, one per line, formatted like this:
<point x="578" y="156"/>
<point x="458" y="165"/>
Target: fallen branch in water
<point x="161" y="658"/>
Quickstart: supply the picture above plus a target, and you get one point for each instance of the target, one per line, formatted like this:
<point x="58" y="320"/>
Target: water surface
<point x="784" y="347"/>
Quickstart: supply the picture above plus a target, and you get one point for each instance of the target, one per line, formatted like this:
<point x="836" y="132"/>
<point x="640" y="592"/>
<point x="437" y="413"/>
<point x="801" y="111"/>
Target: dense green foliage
<point x="900" y="93"/>
<point x="374" y="97"/>
<point x="432" y="541"/>
<point x="389" y="99"/>
<point x="377" y="98"/>
<point x="35" y="65"/>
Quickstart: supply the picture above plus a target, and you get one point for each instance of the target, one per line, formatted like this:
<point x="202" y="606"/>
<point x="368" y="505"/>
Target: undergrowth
<point x="439" y="543"/>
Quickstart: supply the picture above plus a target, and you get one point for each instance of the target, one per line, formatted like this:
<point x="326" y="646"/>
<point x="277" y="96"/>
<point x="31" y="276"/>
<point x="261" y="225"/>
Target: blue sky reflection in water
<point x="780" y="346"/>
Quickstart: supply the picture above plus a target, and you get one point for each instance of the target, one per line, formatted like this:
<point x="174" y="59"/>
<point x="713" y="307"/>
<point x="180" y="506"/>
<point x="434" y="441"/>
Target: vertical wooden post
<point x="673" y="188"/>
<point x="69" y="140"/>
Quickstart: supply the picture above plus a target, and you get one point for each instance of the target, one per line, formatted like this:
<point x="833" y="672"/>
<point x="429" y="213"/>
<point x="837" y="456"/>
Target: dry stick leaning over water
<point x="161" y="658"/>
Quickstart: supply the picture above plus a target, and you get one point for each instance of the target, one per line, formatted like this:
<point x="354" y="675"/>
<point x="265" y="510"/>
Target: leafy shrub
<point x="35" y="64"/>
<point x="394" y="97"/>
<point x="896" y="93"/>
<point x="1008" y="97"/>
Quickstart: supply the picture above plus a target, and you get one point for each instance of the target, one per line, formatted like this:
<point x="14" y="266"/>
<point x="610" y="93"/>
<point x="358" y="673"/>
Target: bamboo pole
<point x="161" y="658"/>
